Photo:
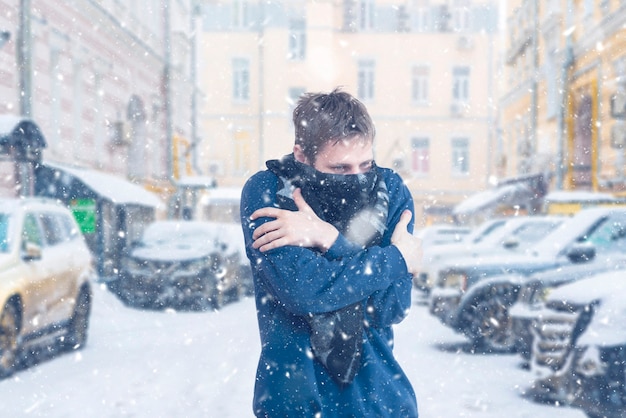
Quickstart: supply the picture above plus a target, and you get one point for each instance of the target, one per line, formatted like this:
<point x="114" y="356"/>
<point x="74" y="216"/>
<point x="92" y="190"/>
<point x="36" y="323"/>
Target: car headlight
<point x="541" y="295"/>
<point x="590" y="363"/>
<point x="453" y="279"/>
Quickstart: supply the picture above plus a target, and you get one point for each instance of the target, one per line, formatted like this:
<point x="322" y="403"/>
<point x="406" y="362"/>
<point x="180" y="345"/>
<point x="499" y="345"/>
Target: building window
<point x="297" y="39"/>
<point x="240" y="14"/>
<point x="404" y="20"/>
<point x="460" y="84"/>
<point x="241" y="79"/>
<point x="422" y="17"/>
<point x="365" y="77"/>
<point x="419" y="84"/>
<point x="553" y="6"/>
<point x="461" y="15"/>
<point x="460" y="156"/>
<point x="366" y="14"/>
<point x="588" y="6"/>
<point x="605" y="7"/>
<point x="420" y="153"/>
<point x="293" y="96"/>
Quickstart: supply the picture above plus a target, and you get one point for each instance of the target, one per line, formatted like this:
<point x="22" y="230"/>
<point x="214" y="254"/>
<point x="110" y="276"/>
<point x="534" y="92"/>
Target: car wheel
<point x="9" y="330"/>
<point x="213" y="276"/>
<point x="217" y="298"/>
<point x="490" y="324"/>
<point x="76" y="335"/>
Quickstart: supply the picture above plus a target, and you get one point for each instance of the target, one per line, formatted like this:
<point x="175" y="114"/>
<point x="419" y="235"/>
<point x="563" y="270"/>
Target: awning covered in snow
<point x="64" y="182"/>
<point x="526" y="192"/>
<point x="509" y="194"/>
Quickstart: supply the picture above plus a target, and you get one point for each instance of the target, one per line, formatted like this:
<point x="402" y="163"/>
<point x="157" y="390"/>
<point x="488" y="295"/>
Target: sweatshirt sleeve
<point x="303" y="280"/>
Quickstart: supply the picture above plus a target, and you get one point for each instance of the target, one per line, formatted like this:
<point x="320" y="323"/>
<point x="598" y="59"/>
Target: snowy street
<point x="167" y="364"/>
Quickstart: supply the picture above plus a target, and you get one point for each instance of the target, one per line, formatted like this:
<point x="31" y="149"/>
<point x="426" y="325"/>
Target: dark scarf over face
<point x="357" y="205"/>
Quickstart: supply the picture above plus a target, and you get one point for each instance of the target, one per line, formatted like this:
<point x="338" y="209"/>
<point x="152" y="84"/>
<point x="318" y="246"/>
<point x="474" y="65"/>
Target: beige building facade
<point x="426" y="70"/>
<point x="108" y="83"/>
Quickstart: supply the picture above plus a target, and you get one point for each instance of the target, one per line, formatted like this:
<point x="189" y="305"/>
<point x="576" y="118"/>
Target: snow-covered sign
<point x="113" y="188"/>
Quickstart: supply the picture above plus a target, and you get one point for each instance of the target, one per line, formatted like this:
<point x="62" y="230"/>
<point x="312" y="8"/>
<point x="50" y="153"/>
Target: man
<point x="328" y="235"/>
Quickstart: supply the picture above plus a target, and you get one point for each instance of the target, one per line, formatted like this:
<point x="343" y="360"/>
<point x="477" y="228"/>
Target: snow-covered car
<point x="498" y="236"/>
<point x="185" y="265"/>
<point x="473" y="295"/>
<point x="579" y="352"/>
<point x="45" y="280"/>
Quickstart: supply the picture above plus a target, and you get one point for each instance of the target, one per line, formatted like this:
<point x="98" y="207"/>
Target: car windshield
<point x="485" y="230"/>
<point x="531" y="232"/>
<point x="4" y="233"/>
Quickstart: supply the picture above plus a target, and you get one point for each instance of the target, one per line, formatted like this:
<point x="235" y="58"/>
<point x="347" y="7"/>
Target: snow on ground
<point x="166" y="364"/>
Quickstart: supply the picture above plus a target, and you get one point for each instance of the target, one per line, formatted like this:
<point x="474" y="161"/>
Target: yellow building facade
<point x="563" y="109"/>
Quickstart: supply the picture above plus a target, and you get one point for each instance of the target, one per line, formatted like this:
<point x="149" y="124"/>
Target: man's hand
<point x="302" y="228"/>
<point x="409" y="245"/>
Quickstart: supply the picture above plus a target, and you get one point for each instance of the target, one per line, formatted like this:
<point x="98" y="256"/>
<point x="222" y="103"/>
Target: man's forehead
<point x="346" y="150"/>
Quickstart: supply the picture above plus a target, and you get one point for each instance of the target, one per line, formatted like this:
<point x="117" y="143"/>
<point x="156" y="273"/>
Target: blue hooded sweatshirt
<point x="294" y="282"/>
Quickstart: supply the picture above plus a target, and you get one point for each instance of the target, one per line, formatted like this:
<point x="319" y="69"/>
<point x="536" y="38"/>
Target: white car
<point x="45" y="277"/>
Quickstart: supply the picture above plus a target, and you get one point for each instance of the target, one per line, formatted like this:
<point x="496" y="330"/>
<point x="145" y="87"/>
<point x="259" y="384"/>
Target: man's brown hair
<point x="321" y="118"/>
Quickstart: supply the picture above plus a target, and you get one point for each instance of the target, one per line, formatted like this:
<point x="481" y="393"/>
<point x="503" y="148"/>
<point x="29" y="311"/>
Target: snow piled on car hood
<point x="175" y="240"/>
<point x="607" y="326"/>
<point x="174" y="253"/>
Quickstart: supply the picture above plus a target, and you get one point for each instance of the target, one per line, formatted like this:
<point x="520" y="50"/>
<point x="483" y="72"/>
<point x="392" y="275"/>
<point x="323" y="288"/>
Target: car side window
<point x="4" y="233"/>
<point x="53" y="228"/>
<point x="70" y="228"/>
<point x="611" y="234"/>
<point x="488" y="231"/>
<point x="30" y="230"/>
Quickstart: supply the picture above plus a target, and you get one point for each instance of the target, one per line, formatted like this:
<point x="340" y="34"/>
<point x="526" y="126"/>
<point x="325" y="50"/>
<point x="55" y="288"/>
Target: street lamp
<point x="4" y="37"/>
